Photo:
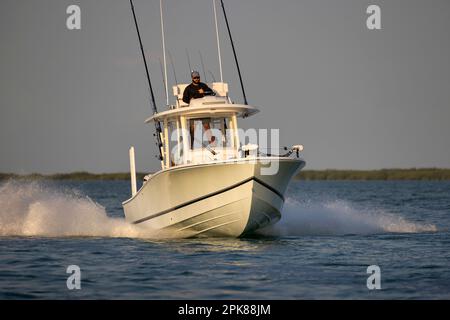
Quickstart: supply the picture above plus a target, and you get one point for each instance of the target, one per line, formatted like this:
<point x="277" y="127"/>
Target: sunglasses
<point x="196" y="78"/>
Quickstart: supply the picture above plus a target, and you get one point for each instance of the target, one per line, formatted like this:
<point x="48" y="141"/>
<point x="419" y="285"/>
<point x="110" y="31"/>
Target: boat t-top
<point x="211" y="183"/>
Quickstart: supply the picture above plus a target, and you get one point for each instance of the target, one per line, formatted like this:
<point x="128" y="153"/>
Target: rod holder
<point x="133" y="172"/>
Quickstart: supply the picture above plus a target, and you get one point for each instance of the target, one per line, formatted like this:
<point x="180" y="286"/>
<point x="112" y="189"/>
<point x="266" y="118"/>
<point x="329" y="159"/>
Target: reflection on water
<point x="211" y="245"/>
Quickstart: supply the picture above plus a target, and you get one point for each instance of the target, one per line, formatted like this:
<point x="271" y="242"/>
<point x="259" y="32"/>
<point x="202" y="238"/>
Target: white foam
<point x="33" y="209"/>
<point x="338" y="218"/>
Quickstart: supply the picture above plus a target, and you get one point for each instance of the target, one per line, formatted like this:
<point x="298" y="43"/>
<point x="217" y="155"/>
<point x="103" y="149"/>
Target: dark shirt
<point x="192" y="92"/>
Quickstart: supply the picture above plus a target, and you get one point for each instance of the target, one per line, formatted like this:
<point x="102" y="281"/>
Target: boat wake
<point x="339" y="218"/>
<point x="34" y="209"/>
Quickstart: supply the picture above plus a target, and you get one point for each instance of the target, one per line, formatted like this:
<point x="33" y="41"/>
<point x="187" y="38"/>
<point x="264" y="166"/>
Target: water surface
<point x="331" y="231"/>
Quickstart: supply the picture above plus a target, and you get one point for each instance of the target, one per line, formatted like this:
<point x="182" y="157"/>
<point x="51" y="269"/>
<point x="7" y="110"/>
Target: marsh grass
<point x="329" y="174"/>
<point x="383" y="174"/>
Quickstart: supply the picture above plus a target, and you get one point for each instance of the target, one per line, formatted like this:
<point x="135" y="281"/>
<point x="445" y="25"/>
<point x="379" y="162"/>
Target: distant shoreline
<point x="435" y="174"/>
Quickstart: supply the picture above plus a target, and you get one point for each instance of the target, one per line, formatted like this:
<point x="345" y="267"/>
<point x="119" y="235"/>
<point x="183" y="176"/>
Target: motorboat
<point x="211" y="182"/>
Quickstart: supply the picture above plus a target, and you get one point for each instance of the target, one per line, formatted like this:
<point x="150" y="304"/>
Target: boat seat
<point x="178" y="91"/>
<point x="221" y="89"/>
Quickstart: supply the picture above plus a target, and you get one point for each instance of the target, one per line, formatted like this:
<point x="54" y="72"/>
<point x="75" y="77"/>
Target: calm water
<point x="329" y="234"/>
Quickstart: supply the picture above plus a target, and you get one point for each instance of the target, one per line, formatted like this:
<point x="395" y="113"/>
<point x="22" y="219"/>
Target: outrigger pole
<point x="164" y="53"/>
<point x="234" y="52"/>
<point x="155" y="110"/>
<point x="218" y="41"/>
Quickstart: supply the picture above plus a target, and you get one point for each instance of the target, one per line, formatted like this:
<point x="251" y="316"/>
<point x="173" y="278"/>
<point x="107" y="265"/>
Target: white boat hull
<point x="228" y="198"/>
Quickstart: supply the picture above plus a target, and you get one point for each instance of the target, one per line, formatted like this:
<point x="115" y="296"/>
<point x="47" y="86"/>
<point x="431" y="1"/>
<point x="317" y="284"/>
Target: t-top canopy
<point x="208" y="106"/>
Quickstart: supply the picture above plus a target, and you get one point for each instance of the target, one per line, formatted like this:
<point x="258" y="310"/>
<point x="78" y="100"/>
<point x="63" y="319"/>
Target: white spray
<point x="339" y="218"/>
<point x="34" y="209"/>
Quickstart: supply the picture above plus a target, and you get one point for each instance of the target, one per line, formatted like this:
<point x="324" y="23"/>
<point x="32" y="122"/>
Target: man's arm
<point x="186" y="95"/>
<point x="206" y="88"/>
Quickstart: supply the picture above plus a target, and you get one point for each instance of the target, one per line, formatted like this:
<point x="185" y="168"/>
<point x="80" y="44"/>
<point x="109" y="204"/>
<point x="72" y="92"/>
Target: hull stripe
<point x="211" y="195"/>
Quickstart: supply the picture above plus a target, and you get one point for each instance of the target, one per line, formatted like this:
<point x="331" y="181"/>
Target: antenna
<point x="162" y="73"/>
<point x="155" y="110"/>
<point x="189" y="62"/>
<point x="203" y="66"/>
<point x="218" y="42"/>
<point x="173" y="67"/>
<point x="164" y="53"/>
<point x="212" y="75"/>
<point x="234" y="52"/>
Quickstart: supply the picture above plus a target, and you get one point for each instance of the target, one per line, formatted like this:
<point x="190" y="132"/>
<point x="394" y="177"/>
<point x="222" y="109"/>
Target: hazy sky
<point x="355" y="98"/>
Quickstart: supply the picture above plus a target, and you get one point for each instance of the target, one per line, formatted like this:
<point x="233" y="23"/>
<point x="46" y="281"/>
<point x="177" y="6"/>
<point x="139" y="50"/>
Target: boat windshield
<point x="209" y="132"/>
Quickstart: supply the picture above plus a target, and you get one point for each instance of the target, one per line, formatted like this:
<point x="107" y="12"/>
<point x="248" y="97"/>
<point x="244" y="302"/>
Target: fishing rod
<point x="153" y="103"/>
<point x="173" y="67"/>
<point x="234" y="52"/>
<point x="203" y="66"/>
<point x="189" y="62"/>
